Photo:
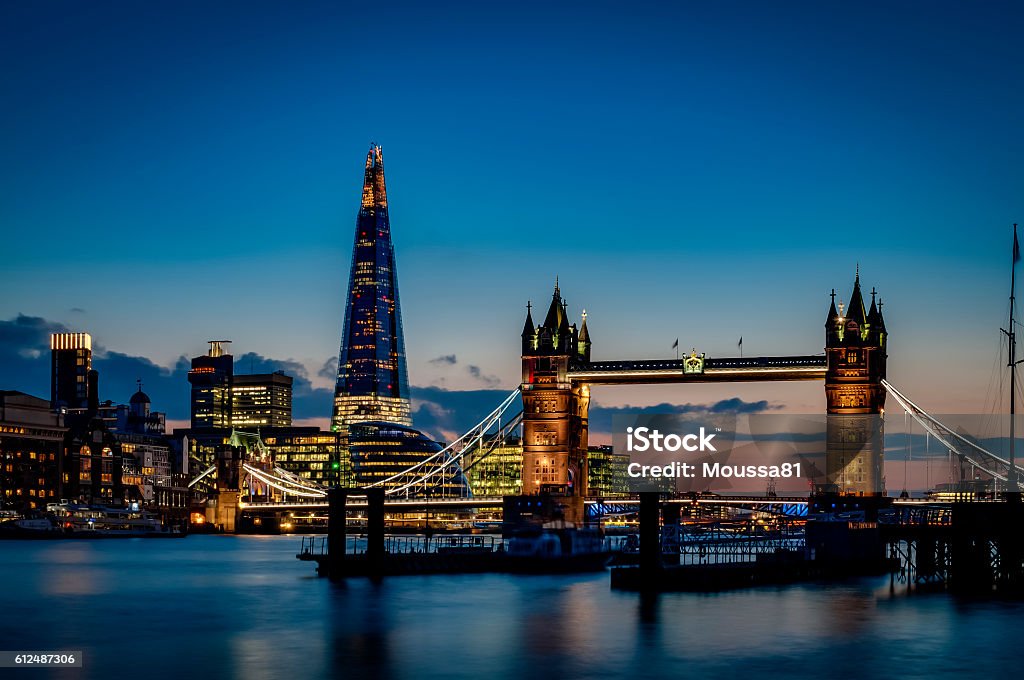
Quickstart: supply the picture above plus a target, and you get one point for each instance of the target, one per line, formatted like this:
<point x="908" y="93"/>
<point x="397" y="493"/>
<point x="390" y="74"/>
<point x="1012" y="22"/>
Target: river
<point x="243" y="607"/>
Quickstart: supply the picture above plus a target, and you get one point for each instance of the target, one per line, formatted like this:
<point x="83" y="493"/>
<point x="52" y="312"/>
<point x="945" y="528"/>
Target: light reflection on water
<point x="244" y="607"/>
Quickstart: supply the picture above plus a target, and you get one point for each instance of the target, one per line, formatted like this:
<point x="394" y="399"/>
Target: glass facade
<point x="317" y="455"/>
<point x="372" y="379"/>
<point x="498" y="473"/>
<point x="606" y="472"/>
<point x="380" y="450"/>
<point x="261" y="400"/>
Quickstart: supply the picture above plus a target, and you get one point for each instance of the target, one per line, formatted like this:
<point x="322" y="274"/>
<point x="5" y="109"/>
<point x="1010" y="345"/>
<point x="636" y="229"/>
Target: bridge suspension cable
<point x="964" y="448"/>
<point x="453" y="466"/>
<point x="424" y="474"/>
<point x="201" y="475"/>
<point x="281" y="485"/>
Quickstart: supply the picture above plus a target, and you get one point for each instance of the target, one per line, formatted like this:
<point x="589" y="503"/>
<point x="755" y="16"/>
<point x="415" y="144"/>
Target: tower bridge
<point x="558" y="372"/>
<point x="551" y="410"/>
<point x="698" y="369"/>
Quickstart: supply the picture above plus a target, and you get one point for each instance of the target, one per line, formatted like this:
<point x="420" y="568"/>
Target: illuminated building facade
<point x="380" y="450"/>
<point x="856" y="344"/>
<point x="210" y="378"/>
<point x="261" y="400"/>
<point x="606" y="472"/>
<point x="30" y="446"/>
<point x="372" y="378"/>
<point x="500" y="472"/>
<point x="554" y="408"/>
<point x="318" y="455"/>
<point x="70" y="363"/>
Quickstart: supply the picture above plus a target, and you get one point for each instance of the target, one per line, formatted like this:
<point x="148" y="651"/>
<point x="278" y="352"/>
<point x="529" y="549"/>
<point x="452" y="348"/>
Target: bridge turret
<point x="583" y="342"/>
<point x="529" y="332"/>
<point x="855" y="398"/>
<point x="833" y="324"/>
<point x="554" y="410"/>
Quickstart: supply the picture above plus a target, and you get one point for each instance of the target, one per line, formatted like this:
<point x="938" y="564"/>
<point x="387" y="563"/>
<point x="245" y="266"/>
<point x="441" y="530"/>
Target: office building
<point x="210" y="377"/>
<point x="261" y="400"/>
<point x="31" y="436"/>
<point x="70" y="363"/>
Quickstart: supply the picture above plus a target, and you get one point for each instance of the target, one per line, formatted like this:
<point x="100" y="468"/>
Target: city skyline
<point x="677" y="185"/>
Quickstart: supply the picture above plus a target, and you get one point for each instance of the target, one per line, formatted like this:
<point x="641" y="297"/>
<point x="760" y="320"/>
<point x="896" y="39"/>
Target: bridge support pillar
<point x="375" y="531"/>
<point x="650" y="532"/>
<point x="337" y="536"/>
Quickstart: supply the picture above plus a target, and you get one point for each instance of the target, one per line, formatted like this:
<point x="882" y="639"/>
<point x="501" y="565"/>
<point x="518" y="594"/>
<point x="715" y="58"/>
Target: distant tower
<point x="211" y="378"/>
<point x="373" y="383"/>
<point x="855" y="342"/>
<point x="70" y="363"/>
<point x="554" y="410"/>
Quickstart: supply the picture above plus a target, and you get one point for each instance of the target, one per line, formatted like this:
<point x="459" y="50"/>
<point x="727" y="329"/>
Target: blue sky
<point x="180" y="171"/>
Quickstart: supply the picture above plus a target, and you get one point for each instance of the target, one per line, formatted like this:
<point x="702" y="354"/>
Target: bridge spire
<point x="553" y="320"/>
<point x="855" y="310"/>
<point x="528" y="328"/>
<point x="584" y="339"/>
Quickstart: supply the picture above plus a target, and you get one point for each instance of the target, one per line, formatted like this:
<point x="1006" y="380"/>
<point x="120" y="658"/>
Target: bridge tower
<point x="554" y="408"/>
<point x="855" y="343"/>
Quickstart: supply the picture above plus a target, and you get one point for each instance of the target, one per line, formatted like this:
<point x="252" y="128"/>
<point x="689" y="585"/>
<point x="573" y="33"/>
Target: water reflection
<point x="245" y="608"/>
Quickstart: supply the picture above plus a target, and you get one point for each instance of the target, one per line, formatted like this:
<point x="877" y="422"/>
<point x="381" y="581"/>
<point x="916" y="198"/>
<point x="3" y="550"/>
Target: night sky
<point x="175" y="172"/>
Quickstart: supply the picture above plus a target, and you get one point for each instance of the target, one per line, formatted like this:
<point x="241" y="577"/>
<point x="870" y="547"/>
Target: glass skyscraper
<point x="373" y="383"/>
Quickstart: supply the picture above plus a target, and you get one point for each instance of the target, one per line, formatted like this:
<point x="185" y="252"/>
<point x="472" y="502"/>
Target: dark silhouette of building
<point x="856" y="344"/>
<point x="70" y="363"/>
<point x="138" y="417"/>
<point x="372" y="378"/>
<point x="92" y="463"/>
<point x="210" y="378"/>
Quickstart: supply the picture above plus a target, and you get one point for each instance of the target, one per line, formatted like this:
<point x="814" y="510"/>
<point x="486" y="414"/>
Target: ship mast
<point x="1011" y="478"/>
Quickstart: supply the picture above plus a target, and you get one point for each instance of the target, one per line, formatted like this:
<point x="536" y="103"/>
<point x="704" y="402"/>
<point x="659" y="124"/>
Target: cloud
<point x="445" y="360"/>
<point x="25" y="352"/>
<point x="77" y="310"/>
<point x="489" y="380"/>
<point x="441" y="413"/>
<point x="446" y="414"/>
<point x="601" y="416"/>
<point x="329" y="369"/>
<point x="307" y="401"/>
<point x="25" y="366"/>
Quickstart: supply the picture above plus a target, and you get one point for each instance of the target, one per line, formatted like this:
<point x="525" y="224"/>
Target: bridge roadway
<point x="734" y="369"/>
<point x="413" y="504"/>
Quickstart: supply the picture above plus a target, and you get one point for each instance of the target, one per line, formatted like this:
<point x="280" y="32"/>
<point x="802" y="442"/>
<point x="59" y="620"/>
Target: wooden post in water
<point x="336" y="531"/>
<point x="375" y="531"/>
<point x="650" y="535"/>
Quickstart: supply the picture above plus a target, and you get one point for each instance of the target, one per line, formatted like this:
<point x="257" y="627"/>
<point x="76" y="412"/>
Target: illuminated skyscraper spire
<point x="373" y="382"/>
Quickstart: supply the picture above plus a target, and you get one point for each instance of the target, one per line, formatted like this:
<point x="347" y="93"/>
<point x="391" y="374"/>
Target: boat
<point x="557" y="547"/>
<point x="97" y="521"/>
<point x="29" y="527"/>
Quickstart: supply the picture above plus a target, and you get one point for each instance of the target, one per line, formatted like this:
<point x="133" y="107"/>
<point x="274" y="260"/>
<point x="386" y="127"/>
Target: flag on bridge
<point x="675" y="344"/>
<point x="1016" y="246"/>
<point x="740" y="343"/>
